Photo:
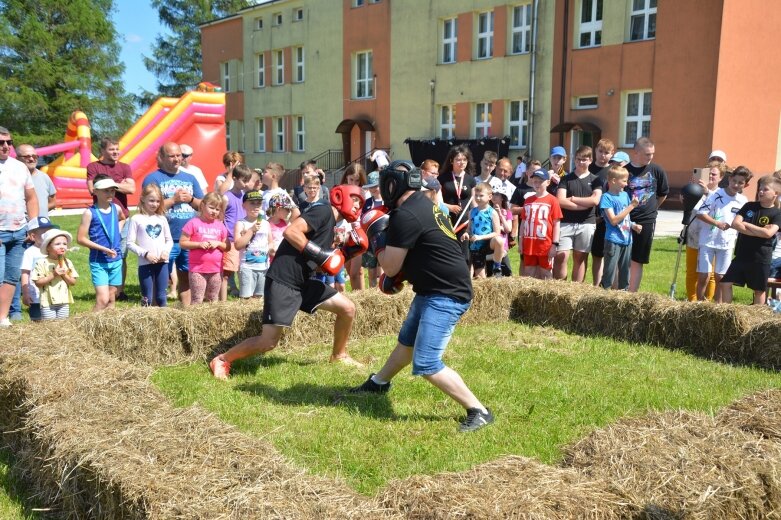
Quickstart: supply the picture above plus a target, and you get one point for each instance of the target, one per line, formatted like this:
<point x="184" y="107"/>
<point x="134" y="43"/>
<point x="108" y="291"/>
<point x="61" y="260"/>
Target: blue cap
<point x="541" y="173"/>
<point x="620" y="157"/>
<point x="558" y="150"/>
<point x="41" y="223"/>
<point x="372" y="181"/>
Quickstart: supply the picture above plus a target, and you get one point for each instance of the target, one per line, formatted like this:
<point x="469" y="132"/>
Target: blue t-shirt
<point x="482" y="224"/>
<point x="181" y="212"/>
<point x="622" y="233"/>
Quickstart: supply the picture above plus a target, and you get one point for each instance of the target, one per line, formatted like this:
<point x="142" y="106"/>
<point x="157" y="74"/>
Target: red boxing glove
<point x="356" y="244"/>
<point x="391" y="284"/>
<point x="375" y="223"/>
<point x="329" y="260"/>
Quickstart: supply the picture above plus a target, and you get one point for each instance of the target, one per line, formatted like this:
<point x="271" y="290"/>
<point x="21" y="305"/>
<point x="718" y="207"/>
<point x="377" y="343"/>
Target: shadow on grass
<point x="13" y="489"/>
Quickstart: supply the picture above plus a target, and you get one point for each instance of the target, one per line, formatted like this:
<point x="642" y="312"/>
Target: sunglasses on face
<point x="9" y="142"/>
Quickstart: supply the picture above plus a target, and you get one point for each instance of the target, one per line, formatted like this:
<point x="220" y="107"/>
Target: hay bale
<point x="545" y="302"/>
<point x="618" y="314"/>
<point x="492" y="301"/>
<point x="510" y="487"/>
<point x="759" y="413"/>
<point x="762" y="343"/>
<point x="217" y="326"/>
<point x="679" y="464"/>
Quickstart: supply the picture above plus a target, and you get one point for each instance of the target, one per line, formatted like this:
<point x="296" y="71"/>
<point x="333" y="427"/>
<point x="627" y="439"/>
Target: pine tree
<point x="176" y="59"/>
<point x="58" y="56"/>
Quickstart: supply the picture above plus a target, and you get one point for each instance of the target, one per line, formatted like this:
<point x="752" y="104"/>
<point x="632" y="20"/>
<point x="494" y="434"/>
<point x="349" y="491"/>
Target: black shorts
<point x="477" y="256"/>
<point x="281" y="303"/>
<point x="752" y="274"/>
<point x="641" y="243"/>
<point x="598" y="244"/>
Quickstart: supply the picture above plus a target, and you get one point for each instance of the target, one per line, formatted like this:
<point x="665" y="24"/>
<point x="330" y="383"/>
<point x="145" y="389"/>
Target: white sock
<point x="378" y="380"/>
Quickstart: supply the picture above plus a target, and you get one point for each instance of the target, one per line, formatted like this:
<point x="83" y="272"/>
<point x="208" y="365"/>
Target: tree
<point x="176" y="59"/>
<point x="57" y="56"/>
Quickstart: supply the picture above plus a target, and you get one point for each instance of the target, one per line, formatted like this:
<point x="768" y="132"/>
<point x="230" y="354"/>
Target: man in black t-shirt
<point x="289" y="287"/>
<point x="423" y="249"/>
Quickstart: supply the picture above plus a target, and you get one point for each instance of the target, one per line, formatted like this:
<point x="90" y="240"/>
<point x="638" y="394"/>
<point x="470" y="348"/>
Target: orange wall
<point x="221" y="42"/>
<point x="464" y="44"/>
<point x="364" y="35"/>
<point x="500" y="31"/>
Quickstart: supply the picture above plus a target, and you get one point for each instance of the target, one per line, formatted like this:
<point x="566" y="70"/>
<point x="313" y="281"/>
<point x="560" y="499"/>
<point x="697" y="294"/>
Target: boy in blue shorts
<point x="615" y="206"/>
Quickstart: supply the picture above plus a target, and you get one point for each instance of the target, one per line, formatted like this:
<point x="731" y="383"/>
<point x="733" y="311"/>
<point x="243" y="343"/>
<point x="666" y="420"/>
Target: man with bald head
<point x="44" y="187"/>
<point x="182" y="197"/>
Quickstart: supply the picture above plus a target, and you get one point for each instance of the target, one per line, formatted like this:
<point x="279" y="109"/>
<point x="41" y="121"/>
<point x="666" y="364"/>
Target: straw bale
<point x="217" y="326"/>
<point x="509" y="487"/>
<point x="762" y="342"/>
<point x="679" y="464"/>
<point x="617" y="314"/>
<point x="758" y="413"/>
<point x="549" y="302"/>
<point x="492" y="301"/>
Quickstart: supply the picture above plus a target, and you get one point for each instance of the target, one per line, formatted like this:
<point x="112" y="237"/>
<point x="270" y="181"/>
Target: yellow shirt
<point x="56" y="292"/>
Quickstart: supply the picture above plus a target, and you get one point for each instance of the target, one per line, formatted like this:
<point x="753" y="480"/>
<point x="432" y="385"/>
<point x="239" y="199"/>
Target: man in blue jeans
<point x="18" y="203"/>
<point x="423" y="249"/>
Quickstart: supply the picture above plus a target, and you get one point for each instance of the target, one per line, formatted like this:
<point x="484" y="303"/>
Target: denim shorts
<point x="11" y="252"/>
<point x="180" y="258"/>
<point x="251" y="282"/>
<point x="106" y="273"/>
<point x="427" y="329"/>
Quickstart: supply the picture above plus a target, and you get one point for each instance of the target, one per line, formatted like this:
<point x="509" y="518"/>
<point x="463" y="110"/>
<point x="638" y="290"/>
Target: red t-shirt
<point x="119" y="172"/>
<point x="538" y="215"/>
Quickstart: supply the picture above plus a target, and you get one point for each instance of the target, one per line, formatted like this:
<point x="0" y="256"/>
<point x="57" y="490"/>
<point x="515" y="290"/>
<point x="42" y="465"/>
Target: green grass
<point x="12" y="506"/>
<point x="547" y="388"/>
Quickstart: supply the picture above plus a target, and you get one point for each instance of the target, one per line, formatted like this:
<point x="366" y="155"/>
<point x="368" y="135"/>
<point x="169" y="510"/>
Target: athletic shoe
<point x="370" y="386"/>
<point x="5" y="323"/>
<point x="476" y="419"/>
<point x="122" y="297"/>
<point x="220" y="368"/>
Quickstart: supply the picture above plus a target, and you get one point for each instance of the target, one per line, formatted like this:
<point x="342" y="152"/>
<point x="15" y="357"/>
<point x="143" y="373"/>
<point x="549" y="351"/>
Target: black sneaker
<point x="122" y="297"/>
<point x="371" y="387"/>
<point x="476" y="419"/>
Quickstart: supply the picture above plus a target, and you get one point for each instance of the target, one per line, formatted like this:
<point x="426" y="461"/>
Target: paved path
<point x="668" y="223"/>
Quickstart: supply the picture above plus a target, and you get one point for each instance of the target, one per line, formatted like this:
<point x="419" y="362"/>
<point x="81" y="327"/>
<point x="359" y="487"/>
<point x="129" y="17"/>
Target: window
<point x="298" y="52"/>
<point x="637" y="118"/>
<point x="482" y="119"/>
<point x="242" y="144"/>
<point x="260" y="135"/>
<point x="521" y="29"/>
<point x="279" y="67"/>
<point x="228" y="135"/>
<point x="642" y="24"/>
<point x="261" y="70"/>
<point x="447" y="121"/>
<point x="485" y="35"/>
<point x="519" y="123"/>
<point x="276" y="19"/>
<point x="298" y="14"/>
<point x="364" y="75"/>
<point x="258" y="23"/>
<point x="590" y="23"/>
<point x="449" y="40"/>
<point x="586" y="102"/>
<point x="279" y="134"/>
<point x="358" y="3"/>
<point x="226" y="77"/>
<point x="298" y="145"/>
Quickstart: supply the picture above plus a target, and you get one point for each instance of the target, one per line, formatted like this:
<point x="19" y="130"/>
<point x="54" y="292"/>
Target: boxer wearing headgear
<point x="342" y="200"/>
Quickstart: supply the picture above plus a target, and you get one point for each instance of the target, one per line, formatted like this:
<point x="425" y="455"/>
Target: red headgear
<point x="341" y="199"/>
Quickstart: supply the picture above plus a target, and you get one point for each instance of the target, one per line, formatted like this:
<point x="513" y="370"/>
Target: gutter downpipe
<point x="532" y="75"/>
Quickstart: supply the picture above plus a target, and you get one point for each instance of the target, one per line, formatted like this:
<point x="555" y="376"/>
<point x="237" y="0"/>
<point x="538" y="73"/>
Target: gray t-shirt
<point x="44" y="188"/>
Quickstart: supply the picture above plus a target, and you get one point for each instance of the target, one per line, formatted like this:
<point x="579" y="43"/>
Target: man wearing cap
<point x="18" y="203"/>
<point x="30" y="292"/>
<point x="183" y="197"/>
<point x="598" y="244"/>
<point x="647" y="182"/>
<point x="186" y="166"/>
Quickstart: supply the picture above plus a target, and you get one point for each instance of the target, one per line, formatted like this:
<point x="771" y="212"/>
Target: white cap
<point x="102" y="184"/>
<point x="718" y="154"/>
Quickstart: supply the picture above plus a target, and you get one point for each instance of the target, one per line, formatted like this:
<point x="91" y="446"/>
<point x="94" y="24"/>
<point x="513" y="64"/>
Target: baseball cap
<point x="372" y="181"/>
<point x="541" y="173"/>
<point x="558" y="150"/>
<point x="103" y="184"/>
<point x="620" y="157"/>
<point x="252" y="195"/>
<point x="432" y="184"/>
<point x="719" y="154"/>
<point x="41" y="223"/>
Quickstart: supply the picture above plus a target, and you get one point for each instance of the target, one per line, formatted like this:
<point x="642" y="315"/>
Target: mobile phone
<point x="702" y="174"/>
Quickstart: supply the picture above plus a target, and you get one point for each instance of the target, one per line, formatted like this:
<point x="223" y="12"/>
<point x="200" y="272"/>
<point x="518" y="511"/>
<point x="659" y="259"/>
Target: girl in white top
<point x="149" y="237"/>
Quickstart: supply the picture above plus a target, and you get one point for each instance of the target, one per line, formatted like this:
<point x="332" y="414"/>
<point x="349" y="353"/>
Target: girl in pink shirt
<point x="207" y="239"/>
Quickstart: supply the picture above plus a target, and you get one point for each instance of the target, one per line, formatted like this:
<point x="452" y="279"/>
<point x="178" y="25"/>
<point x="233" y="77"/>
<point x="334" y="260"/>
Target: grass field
<point x="547" y="388"/>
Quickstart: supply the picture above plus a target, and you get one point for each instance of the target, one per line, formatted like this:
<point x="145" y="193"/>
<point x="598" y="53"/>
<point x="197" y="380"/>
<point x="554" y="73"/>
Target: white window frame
<point x="278" y="56"/>
<point x="279" y="134"/>
<point x="485" y="35"/>
<point x="483" y="118"/>
<point x="592" y="26"/>
<point x="449" y="43"/>
<point x="259" y="23"/>
<point x="298" y="59"/>
<point x="644" y="105"/>
<point x="643" y="11"/>
<point x="260" y="135"/>
<point x="226" y="76"/>
<point x="260" y="78"/>
<point x="276" y="19"/>
<point x="447" y="121"/>
<point x="299" y="142"/>
<point x="359" y="3"/>
<point x="585" y="102"/>
<point x="298" y="14"/>
<point x="521" y="29"/>
<point x="520" y="123"/>
<point x="364" y="84"/>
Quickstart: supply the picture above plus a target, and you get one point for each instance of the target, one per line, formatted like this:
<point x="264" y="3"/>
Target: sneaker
<point x="5" y="323"/>
<point x="122" y="297"/>
<point x="476" y="419"/>
<point x="220" y="368"/>
<point x="371" y="387"/>
<point x="497" y="271"/>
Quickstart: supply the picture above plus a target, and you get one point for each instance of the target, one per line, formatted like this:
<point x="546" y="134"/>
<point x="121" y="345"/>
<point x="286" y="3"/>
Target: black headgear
<point x="691" y="193"/>
<point x="396" y="179"/>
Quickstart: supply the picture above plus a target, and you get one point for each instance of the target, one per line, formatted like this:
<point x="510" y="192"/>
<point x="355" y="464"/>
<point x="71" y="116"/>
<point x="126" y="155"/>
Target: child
<point x="100" y="232"/>
<point x="234" y="212"/>
<point x="717" y="238"/>
<point x="271" y="176"/>
<point x="252" y="235"/>
<point x="757" y="223"/>
<point x="500" y="202"/>
<point x="368" y="260"/>
<point x="540" y="216"/>
<point x="280" y="211"/>
<point x="715" y="175"/>
<point x="206" y="237"/>
<point x="31" y="296"/>
<point x="149" y="237"/>
<point x="312" y="192"/>
<point x="616" y="207"/>
<point x="54" y="275"/>
<point x="483" y="235"/>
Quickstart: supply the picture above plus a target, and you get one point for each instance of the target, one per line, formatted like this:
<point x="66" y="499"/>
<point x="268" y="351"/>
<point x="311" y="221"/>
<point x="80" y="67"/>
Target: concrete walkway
<point x="668" y="223"/>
